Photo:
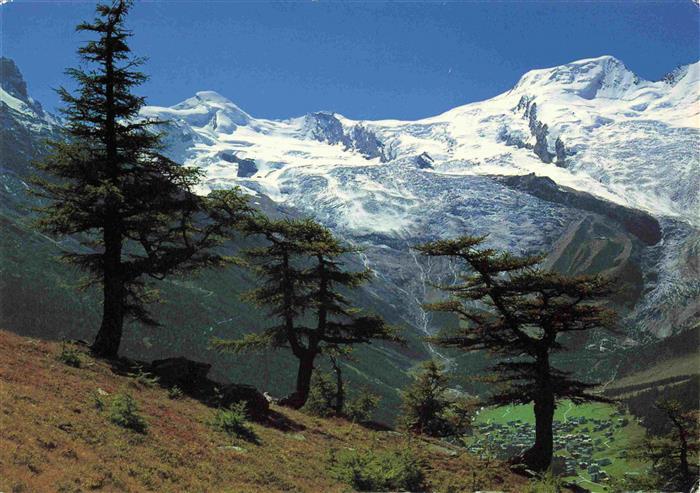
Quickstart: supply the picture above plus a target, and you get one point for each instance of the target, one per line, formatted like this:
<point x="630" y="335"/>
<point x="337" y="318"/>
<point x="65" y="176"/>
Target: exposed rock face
<point x="293" y="400"/>
<point x="366" y="143"/>
<point x="246" y="167"/>
<point x="424" y="161"/>
<point x="560" y="151"/>
<point x="512" y="139"/>
<point x="539" y="131"/>
<point x="596" y="245"/>
<point x="642" y="225"/>
<point x="24" y="125"/>
<point x="11" y="79"/>
<point x="191" y="376"/>
<point x="326" y="127"/>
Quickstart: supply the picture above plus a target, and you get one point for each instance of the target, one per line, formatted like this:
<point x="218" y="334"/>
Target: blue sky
<point x="362" y="59"/>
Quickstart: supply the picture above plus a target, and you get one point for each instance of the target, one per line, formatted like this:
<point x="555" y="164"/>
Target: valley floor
<point x="54" y="437"/>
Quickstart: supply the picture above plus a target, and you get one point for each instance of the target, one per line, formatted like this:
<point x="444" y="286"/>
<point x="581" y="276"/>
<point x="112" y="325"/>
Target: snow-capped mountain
<point x="23" y="121"/>
<point x="592" y="125"/>
<point x="602" y="145"/>
<point x="584" y="161"/>
<point x="16" y="101"/>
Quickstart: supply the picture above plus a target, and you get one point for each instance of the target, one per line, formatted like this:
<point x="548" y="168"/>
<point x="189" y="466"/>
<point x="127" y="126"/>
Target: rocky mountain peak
<point x="11" y="79"/>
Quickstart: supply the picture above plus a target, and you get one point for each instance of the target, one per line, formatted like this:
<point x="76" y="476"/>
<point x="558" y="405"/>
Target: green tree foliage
<point x="367" y="470"/>
<point x="302" y="284"/>
<point x="674" y="457"/>
<point x="361" y="405"/>
<point x="546" y="482"/>
<point x="70" y="356"/>
<point x="327" y="398"/>
<point x="519" y="312"/>
<point x="234" y="422"/>
<point x="427" y="407"/>
<point x="133" y="209"/>
<point x="124" y="412"/>
<point x="322" y="396"/>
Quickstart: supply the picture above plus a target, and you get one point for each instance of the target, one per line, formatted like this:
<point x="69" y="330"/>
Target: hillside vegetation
<point x="56" y="435"/>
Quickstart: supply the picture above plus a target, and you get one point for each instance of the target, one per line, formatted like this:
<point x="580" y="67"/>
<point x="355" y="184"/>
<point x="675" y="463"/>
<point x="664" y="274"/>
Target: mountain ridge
<point x="550" y="129"/>
<point x="386" y="185"/>
<point x="590" y="126"/>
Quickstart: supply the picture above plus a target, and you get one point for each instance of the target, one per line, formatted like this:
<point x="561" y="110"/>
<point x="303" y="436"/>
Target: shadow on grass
<point x="199" y="388"/>
<point x="281" y="422"/>
<point x="249" y="436"/>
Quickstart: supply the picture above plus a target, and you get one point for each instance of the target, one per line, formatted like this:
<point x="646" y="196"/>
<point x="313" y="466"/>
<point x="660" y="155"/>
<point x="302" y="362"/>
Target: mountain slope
<point x="591" y="126"/>
<point x="54" y="438"/>
<point x="39" y="295"/>
<point x="552" y="166"/>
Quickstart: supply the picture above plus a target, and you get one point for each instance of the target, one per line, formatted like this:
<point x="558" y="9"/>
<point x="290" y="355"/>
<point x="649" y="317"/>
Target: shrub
<point x="545" y="483"/>
<point x="426" y="407"/>
<point x="124" y="412"/>
<point x="459" y="415"/>
<point x="322" y="396"/>
<point x="69" y="356"/>
<point x="234" y="422"/>
<point x="175" y="392"/>
<point x="144" y="378"/>
<point x="378" y="471"/>
<point x="361" y="406"/>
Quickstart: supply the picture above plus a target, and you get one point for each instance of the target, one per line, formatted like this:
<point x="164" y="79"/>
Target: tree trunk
<point x="306" y="368"/>
<point x="339" y="390"/>
<point x="109" y="336"/>
<point x="299" y="397"/>
<point x="539" y="456"/>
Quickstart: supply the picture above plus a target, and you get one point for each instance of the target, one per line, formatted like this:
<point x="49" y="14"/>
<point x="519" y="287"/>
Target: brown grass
<point x="53" y="438"/>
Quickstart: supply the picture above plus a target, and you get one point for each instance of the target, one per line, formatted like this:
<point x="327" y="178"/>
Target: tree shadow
<point x="204" y="390"/>
<point x="283" y="423"/>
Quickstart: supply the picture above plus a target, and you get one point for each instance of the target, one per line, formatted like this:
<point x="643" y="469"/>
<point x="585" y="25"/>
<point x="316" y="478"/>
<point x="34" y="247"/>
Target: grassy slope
<point x="679" y="368"/>
<point x="52" y="438"/>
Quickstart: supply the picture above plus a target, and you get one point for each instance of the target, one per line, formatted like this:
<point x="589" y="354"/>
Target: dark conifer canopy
<point x="521" y="313"/>
<point x="107" y="183"/>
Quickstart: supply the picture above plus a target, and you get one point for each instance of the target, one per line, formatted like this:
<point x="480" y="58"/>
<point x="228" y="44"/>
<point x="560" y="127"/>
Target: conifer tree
<point x="133" y="209"/>
<point x="428" y="408"/>
<point x="519" y="312"/>
<point x="674" y="456"/>
<point x="425" y="401"/>
<point x="303" y="276"/>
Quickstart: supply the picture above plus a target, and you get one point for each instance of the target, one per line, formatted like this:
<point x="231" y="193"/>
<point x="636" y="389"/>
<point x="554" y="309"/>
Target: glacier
<point x="585" y="162"/>
<point x="590" y="126"/>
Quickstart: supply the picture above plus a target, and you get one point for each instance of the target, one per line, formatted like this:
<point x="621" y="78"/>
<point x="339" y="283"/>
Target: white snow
<point x="14" y="103"/>
<point x="631" y="141"/>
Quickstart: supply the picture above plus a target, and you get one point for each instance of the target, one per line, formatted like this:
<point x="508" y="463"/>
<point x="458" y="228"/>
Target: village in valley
<point x="590" y="441"/>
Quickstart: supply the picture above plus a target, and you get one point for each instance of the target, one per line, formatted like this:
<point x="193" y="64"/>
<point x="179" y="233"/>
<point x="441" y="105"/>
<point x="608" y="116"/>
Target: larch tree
<point x="520" y="313"/>
<point x="674" y="456"/>
<point x="303" y="280"/>
<point x="134" y="210"/>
